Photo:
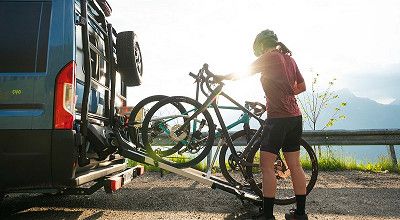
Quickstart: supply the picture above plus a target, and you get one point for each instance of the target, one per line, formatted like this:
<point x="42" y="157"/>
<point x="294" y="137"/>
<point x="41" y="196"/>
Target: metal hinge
<point x="79" y="20"/>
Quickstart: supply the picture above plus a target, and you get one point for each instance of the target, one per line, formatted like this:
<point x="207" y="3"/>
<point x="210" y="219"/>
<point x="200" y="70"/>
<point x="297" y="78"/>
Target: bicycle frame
<point x="211" y="100"/>
<point x="243" y="119"/>
<point x="224" y="128"/>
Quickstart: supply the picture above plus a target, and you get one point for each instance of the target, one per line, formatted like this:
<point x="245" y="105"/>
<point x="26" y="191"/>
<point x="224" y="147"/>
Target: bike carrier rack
<point x="129" y="150"/>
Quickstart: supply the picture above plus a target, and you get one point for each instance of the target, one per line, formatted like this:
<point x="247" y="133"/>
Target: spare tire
<point x="105" y="7"/>
<point x="129" y="58"/>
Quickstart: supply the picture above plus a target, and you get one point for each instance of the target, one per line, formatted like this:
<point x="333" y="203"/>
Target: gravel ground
<point x="337" y="195"/>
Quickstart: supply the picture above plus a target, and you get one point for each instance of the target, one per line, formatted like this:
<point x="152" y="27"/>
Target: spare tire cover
<point x="129" y="58"/>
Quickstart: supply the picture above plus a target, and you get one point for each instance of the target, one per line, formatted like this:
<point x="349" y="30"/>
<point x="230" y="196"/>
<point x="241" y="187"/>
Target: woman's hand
<point x="299" y="88"/>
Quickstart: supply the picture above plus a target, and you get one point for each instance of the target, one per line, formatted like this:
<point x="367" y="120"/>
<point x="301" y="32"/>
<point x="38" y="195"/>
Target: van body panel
<point x="25" y="158"/>
<point x="25" y="162"/>
<point x="61" y="51"/>
<point x="64" y="156"/>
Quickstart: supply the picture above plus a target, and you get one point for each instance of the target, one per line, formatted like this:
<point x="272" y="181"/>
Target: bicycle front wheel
<point x="162" y="132"/>
<point x="284" y="191"/>
<point x="229" y="167"/>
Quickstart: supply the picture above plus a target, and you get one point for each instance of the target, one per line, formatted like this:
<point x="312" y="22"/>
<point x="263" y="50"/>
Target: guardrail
<point x="389" y="137"/>
<point x="353" y="137"/>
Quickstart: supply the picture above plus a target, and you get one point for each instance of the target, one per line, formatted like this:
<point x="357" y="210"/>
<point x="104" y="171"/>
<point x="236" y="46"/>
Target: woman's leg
<point x="268" y="183"/>
<point x="298" y="181"/>
<point x="296" y="171"/>
<point x="268" y="173"/>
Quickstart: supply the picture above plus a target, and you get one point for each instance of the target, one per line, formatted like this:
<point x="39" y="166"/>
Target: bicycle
<point x="158" y="129"/>
<point x="184" y="134"/>
<point x="227" y="168"/>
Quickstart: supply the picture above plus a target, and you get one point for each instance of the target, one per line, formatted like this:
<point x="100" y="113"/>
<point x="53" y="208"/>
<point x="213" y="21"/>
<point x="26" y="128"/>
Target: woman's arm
<point x="300" y="85"/>
<point x="255" y="67"/>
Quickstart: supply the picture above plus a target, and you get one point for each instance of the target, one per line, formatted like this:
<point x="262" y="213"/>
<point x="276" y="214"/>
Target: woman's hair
<point x="283" y="48"/>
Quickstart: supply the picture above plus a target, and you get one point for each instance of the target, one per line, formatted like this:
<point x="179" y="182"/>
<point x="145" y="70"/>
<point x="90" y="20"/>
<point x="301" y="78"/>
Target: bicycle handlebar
<point x="201" y="79"/>
<point x="256" y="107"/>
<point x="193" y="75"/>
<point x="205" y="70"/>
<point x="206" y="79"/>
<point x="215" y="78"/>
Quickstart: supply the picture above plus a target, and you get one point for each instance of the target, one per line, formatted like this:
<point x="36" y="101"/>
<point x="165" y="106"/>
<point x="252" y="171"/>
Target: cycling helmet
<point x="264" y="39"/>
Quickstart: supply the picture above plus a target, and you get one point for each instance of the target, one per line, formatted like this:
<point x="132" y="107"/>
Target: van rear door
<point x="23" y="62"/>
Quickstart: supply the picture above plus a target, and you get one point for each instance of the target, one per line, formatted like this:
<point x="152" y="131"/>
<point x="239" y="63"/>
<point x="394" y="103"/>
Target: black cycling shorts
<point x="282" y="133"/>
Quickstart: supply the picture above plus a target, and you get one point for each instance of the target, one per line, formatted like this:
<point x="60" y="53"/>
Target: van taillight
<point x="64" y="105"/>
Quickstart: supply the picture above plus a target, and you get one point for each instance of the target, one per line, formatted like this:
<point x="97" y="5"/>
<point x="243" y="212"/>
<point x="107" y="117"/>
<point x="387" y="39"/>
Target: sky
<point x="356" y="42"/>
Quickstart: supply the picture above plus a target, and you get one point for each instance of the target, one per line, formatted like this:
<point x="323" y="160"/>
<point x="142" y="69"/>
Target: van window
<point x="24" y="36"/>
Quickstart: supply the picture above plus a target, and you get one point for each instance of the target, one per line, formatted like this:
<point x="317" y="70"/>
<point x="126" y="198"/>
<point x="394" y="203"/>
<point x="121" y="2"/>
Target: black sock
<point x="300" y="204"/>
<point x="268" y="207"/>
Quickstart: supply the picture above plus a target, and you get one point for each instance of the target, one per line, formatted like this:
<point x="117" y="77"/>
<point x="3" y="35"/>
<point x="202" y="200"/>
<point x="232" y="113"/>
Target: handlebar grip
<point x="205" y="68"/>
<point x="193" y="75"/>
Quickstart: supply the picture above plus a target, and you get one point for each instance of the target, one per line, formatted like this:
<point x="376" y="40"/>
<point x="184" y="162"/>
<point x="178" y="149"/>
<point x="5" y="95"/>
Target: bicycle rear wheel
<point x="188" y="147"/>
<point x="284" y="192"/>
<point x="137" y="115"/>
<point x="227" y="163"/>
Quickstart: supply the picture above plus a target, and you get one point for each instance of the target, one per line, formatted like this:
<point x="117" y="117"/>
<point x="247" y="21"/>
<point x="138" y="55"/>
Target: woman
<point x="281" y="81"/>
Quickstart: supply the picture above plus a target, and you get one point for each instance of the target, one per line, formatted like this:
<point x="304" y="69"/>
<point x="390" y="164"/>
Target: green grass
<point x="330" y="163"/>
<point x="326" y="162"/>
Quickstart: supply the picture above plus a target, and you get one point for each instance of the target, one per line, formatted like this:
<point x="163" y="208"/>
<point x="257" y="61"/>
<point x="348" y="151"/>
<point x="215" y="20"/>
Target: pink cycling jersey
<point x="279" y="74"/>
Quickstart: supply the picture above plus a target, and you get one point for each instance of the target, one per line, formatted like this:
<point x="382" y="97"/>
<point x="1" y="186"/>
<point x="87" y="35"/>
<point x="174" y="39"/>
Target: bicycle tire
<point x="135" y="128"/>
<point x="226" y="165"/>
<point x="256" y="185"/>
<point x="133" y="125"/>
<point x="209" y="138"/>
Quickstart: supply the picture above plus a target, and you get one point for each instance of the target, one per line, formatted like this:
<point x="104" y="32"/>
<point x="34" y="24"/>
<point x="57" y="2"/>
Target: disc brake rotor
<point x="176" y="137"/>
<point x="281" y="170"/>
<point x="232" y="162"/>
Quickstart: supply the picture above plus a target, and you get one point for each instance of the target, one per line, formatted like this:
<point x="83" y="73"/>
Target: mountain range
<point x="362" y="113"/>
<point x="395" y="102"/>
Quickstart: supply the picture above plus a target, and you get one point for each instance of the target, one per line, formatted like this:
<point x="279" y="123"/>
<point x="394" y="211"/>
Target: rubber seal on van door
<point x="129" y="57"/>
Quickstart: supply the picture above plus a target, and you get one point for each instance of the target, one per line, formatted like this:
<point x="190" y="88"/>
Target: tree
<point x="317" y="102"/>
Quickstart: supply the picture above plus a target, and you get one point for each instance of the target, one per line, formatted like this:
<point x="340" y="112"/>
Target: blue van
<point x="63" y="75"/>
